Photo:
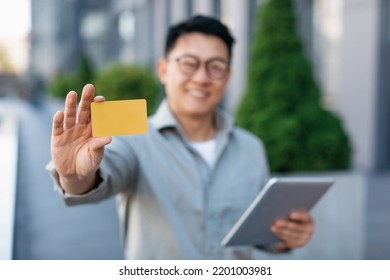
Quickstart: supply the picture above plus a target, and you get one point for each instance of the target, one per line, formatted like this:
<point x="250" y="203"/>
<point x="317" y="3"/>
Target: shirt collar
<point x="164" y="118"/>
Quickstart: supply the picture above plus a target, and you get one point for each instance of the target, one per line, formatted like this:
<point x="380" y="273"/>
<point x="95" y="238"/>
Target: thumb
<point x="98" y="143"/>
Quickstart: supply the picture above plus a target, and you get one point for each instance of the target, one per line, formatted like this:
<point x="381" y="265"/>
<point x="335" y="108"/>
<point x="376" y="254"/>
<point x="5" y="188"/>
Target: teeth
<point x="198" y="94"/>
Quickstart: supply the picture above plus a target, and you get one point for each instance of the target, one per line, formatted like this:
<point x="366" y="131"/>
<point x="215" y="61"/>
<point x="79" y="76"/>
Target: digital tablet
<point x="276" y="200"/>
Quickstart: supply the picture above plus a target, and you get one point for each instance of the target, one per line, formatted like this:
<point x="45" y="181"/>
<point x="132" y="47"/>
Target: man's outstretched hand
<point x="75" y="153"/>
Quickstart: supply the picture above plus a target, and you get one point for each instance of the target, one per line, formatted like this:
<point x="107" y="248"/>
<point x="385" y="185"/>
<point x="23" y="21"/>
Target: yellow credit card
<point x="113" y="118"/>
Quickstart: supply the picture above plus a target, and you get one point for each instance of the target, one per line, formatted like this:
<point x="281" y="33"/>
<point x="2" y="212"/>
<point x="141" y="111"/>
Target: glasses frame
<point x="206" y="64"/>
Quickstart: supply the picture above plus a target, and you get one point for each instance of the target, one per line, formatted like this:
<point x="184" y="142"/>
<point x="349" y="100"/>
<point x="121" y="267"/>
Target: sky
<point x="15" y="19"/>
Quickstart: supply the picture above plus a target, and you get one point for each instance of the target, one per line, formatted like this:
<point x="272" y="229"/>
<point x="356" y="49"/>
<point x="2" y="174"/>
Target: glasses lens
<point x="217" y="69"/>
<point x="188" y="65"/>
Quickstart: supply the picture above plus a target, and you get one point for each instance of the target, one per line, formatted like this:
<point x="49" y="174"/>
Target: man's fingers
<point x="58" y="123"/>
<point x="84" y="111"/>
<point x="291" y="227"/>
<point x="301" y="217"/>
<point x="296" y="231"/>
<point x="70" y="110"/>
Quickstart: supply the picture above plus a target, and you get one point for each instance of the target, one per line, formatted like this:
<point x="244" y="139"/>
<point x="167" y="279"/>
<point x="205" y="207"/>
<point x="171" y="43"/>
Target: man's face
<point x="195" y="74"/>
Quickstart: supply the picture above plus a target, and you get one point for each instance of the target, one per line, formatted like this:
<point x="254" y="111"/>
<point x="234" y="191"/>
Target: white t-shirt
<point x="206" y="150"/>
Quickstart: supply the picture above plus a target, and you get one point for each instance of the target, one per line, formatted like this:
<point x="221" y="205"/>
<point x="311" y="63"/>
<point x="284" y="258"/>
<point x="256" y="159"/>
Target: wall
<point x="359" y="70"/>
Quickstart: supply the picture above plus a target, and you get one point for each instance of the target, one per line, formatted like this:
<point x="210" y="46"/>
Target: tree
<point x="282" y="102"/>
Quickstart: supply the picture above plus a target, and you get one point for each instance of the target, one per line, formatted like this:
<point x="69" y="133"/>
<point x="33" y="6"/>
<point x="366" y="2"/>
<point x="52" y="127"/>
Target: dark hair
<point x="202" y="24"/>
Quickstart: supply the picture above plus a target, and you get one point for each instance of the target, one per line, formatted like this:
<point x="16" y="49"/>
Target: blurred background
<point x="46" y="45"/>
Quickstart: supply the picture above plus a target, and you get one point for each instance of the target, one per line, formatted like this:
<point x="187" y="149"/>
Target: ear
<point x="162" y="70"/>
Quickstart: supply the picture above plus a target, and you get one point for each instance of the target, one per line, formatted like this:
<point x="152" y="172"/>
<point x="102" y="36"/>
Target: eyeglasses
<point x="216" y="68"/>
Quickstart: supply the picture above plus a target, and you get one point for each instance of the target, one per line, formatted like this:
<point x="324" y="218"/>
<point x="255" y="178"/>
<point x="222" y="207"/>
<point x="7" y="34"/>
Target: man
<point x="184" y="184"/>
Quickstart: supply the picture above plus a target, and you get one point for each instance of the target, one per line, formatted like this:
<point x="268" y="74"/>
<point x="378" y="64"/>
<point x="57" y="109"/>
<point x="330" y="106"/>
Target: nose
<point x="201" y="75"/>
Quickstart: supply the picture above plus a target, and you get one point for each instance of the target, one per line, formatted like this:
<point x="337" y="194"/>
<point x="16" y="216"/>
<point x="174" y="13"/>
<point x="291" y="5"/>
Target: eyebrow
<point x="212" y="58"/>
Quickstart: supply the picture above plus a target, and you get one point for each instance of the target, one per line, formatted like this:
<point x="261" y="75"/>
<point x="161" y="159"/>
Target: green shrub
<point x="63" y="83"/>
<point x="60" y="85"/>
<point x="116" y="82"/>
<point x="282" y="102"/>
<point x="128" y="82"/>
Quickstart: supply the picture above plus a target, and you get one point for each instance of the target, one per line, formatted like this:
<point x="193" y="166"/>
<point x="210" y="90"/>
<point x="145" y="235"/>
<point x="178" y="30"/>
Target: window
<point x="189" y="9"/>
<point x="126" y="26"/>
<point x="217" y="8"/>
<point x="168" y="13"/>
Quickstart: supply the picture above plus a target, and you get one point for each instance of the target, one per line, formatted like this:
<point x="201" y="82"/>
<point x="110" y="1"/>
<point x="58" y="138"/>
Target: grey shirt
<point x="171" y="204"/>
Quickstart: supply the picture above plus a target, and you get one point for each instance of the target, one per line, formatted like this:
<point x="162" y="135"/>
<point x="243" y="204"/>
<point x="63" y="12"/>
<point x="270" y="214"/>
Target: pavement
<point x="45" y="228"/>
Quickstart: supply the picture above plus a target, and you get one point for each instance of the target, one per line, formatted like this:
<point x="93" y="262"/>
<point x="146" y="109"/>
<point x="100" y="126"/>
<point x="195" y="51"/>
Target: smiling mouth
<point x="198" y="94"/>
